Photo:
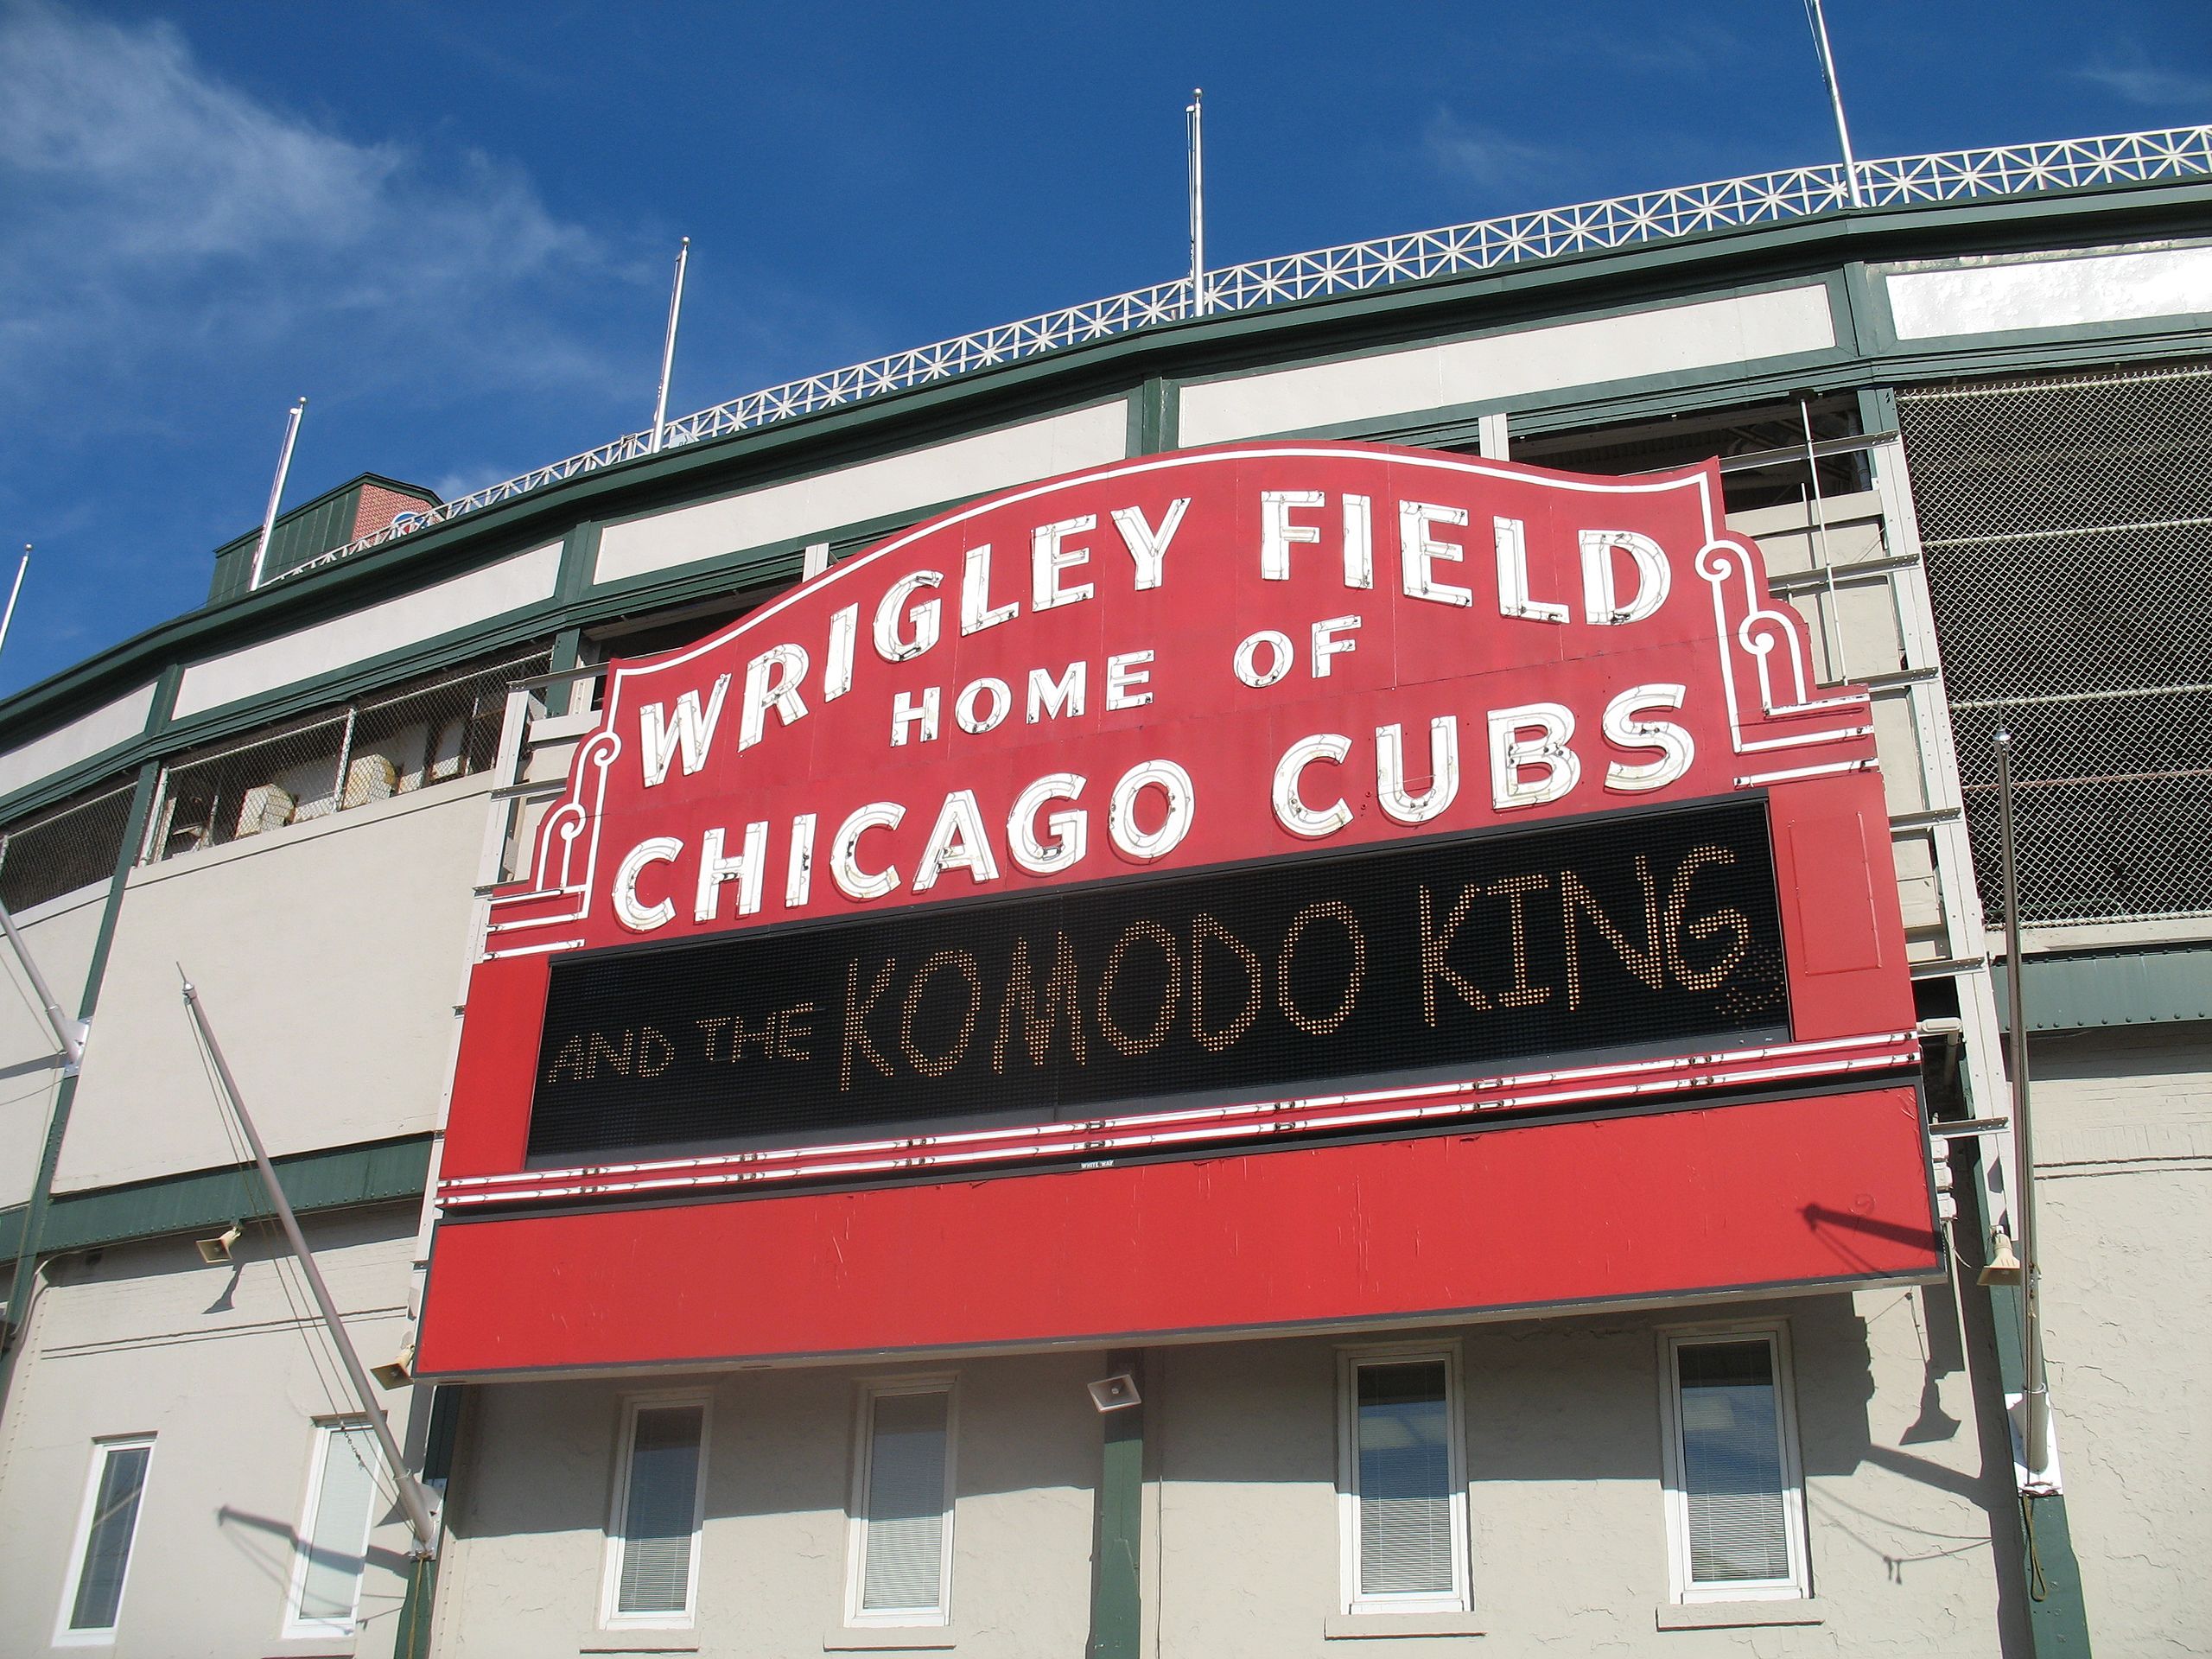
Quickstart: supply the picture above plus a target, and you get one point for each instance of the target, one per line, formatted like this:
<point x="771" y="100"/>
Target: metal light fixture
<point x="2003" y="1267"/>
<point x="397" y="1371"/>
<point x="218" y="1248"/>
<point x="1115" y="1393"/>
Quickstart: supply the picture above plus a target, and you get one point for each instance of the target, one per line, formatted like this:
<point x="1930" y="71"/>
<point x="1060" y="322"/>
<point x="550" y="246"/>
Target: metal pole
<point x="1194" y="135"/>
<point x="2035" y="1399"/>
<point x="667" y="349"/>
<point x="1836" y="96"/>
<point x="276" y="493"/>
<point x="70" y="1033"/>
<point x="413" y="1495"/>
<point x="14" y="592"/>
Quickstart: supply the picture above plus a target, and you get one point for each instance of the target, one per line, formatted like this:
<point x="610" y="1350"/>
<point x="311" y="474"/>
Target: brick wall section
<point x="378" y="506"/>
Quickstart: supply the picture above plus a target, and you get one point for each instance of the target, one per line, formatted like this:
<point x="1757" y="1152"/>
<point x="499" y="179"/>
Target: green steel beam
<point x="2042" y="1569"/>
<point x="380" y="1172"/>
<point x="1117" y="1594"/>
<point x="2148" y="985"/>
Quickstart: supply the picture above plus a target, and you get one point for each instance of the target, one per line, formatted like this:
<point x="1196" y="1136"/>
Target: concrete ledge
<point x="641" y="1641"/>
<point x="1736" y="1615"/>
<point x="890" y="1638"/>
<point x="1360" y="1627"/>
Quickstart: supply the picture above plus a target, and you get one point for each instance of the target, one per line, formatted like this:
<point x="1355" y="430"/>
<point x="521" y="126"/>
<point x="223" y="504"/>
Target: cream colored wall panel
<point x="60" y="934"/>
<point x="522" y="1568"/>
<point x="1896" y="740"/>
<point x="328" y="954"/>
<point x="1920" y="894"/>
<point x="81" y="739"/>
<point x="900" y="483"/>
<point x="509" y="585"/>
<point x="1569" y="1547"/>
<point x="2050" y="293"/>
<point x="1793" y="539"/>
<point x="214" y="1364"/>
<point x="2124" y="1225"/>
<point x="1668" y="340"/>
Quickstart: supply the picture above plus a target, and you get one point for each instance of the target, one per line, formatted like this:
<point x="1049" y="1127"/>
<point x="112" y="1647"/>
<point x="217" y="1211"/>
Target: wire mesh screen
<point x="2067" y="523"/>
<point x="416" y="737"/>
<point x="65" y="847"/>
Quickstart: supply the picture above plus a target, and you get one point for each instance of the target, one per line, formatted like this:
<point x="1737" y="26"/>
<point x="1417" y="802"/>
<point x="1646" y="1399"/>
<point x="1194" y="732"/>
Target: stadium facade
<point x="1246" y="971"/>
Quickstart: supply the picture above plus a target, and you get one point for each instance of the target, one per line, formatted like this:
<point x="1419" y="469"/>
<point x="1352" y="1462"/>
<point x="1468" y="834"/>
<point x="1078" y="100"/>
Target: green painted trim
<point x="567" y="652"/>
<point x="579" y="556"/>
<point x="526" y="626"/>
<point x="2145" y="985"/>
<point x="380" y="1172"/>
<point x="1877" y="408"/>
<point x="1153" y="409"/>
<point x="1117" y="1596"/>
<point x="418" y="1608"/>
<point x="2057" y="1614"/>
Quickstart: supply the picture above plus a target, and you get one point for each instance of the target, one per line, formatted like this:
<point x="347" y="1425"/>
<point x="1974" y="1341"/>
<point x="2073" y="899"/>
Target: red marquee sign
<point x="1272" y="818"/>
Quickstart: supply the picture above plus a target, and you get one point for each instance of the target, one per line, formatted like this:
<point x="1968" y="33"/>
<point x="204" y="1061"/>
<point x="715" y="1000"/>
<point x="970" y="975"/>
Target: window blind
<point x="336" y="1532"/>
<point x="904" y="1568"/>
<point x="660" y="1510"/>
<point x="1732" y="1463"/>
<point x="107" y="1543"/>
<point x="1405" y="1480"/>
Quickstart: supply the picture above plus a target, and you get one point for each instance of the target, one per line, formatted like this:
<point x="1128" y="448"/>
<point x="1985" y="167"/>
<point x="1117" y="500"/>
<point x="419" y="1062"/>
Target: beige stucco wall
<point x="328" y="955"/>
<point x="1568" y="1535"/>
<point x="523" y="1563"/>
<point x="60" y="934"/>
<point x="2123" y="1125"/>
<point x="219" y="1367"/>
<point x="1240" y="1546"/>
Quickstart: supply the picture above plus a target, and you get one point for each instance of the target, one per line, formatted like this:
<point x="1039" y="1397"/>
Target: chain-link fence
<point x="427" y="732"/>
<point x="2067" y="522"/>
<point x="65" y="847"/>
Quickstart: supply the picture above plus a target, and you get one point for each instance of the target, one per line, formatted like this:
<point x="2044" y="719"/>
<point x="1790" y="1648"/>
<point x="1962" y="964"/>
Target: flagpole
<point x="1194" y="137"/>
<point x="276" y="493"/>
<point x="667" y="350"/>
<point x="14" y="594"/>
<point x="1819" y="22"/>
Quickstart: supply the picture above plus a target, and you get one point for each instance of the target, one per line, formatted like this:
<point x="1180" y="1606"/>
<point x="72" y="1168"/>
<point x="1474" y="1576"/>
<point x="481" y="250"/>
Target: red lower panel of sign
<point x="1773" y="1193"/>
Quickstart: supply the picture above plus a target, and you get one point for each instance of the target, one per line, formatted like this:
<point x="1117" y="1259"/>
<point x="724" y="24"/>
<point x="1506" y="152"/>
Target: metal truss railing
<point x="1552" y="233"/>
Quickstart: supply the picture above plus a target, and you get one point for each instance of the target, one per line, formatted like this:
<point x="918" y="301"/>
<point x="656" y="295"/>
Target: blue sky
<point x="450" y="225"/>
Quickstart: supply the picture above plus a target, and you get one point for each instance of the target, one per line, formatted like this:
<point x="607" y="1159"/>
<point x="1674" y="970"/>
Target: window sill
<point x="1353" y="1627"/>
<point x="1735" y="1615"/>
<point x="890" y="1638"/>
<point x="640" y="1640"/>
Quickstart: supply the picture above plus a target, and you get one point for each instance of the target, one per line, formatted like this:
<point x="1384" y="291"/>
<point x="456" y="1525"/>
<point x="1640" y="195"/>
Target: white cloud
<point x="2138" y="82"/>
<point x="158" y="216"/>
<point x="1494" y="163"/>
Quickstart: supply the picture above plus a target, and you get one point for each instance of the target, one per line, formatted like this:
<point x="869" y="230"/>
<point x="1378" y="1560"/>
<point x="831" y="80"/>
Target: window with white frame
<point x="653" y="1536"/>
<point x="100" y="1556"/>
<point x="900" y="1570"/>
<point x="333" y="1536"/>
<point x="1402" y="1482"/>
<point x="1735" y="1499"/>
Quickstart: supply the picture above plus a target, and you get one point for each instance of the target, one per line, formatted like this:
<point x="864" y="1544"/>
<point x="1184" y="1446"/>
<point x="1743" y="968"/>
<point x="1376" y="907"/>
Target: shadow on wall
<point x="539" y="1460"/>
<point x="270" y="1547"/>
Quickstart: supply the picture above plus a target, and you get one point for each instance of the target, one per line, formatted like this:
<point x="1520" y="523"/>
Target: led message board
<point x="1642" y="934"/>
